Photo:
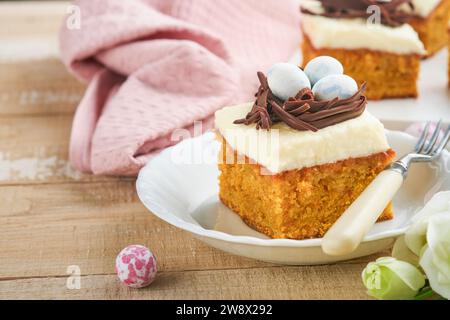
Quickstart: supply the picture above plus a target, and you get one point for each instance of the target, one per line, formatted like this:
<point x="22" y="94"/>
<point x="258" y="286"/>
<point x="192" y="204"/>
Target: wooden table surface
<point x="53" y="217"/>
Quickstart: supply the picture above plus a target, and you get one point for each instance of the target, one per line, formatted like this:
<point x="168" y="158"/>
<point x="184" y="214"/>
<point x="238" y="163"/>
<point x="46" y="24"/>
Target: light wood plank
<point x="33" y="79"/>
<point x="40" y="86"/>
<point x="319" y="282"/>
<point x="25" y="18"/>
<point x="35" y="150"/>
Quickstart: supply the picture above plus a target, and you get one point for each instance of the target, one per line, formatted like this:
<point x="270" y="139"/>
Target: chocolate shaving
<point x="301" y="112"/>
<point x="390" y="13"/>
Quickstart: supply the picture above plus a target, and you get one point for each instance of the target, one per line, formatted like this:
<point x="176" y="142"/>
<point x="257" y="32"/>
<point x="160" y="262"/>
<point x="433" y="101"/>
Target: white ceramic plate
<point x="180" y="187"/>
<point x="433" y="102"/>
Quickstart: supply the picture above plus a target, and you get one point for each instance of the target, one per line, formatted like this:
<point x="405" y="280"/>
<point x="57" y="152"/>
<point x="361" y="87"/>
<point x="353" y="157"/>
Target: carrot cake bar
<point x="294" y="160"/>
<point x="386" y="54"/>
<point x="430" y="19"/>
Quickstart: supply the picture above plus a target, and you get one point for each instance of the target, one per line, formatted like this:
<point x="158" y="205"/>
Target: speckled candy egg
<point x="320" y="67"/>
<point x="330" y="87"/>
<point x="286" y="80"/>
<point x="136" y="266"/>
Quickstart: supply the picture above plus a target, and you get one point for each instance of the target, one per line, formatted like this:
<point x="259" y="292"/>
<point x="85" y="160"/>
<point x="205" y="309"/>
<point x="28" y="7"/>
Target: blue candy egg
<point x="330" y="87"/>
<point x="320" y="67"/>
<point x="286" y="80"/>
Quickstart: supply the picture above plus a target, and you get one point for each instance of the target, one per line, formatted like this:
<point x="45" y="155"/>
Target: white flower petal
<point x="401" y="252"/>
<point x="432" y="272"/>
<point x="438" y="237"/>
<point x="439" y="203"/>
<point x="416" y="236"/>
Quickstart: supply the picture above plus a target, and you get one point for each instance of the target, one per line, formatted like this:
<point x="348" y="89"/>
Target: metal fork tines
<point x="425" y="149"/>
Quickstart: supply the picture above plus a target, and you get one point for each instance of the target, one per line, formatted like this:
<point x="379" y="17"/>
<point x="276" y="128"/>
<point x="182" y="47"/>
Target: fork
<point x="350" y="229"/>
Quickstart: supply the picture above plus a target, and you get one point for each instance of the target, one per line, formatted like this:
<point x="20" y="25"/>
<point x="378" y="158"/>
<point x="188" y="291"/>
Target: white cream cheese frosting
<point x="282" y="148"/>
<point x="357" y="33"/>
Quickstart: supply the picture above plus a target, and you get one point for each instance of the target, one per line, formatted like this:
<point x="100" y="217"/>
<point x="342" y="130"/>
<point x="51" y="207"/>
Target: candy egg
<point x="335" y="86"/>
<point x="286" y="80"/>
<point x="320" y="67"/>
<point x="136" y="266"/>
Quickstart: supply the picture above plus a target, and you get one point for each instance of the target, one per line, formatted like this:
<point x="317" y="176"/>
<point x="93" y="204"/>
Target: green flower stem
<point x="425" y="294"/>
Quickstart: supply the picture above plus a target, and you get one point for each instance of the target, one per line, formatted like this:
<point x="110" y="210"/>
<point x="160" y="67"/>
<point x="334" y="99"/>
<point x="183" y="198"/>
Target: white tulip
<point x="392" y="279"/>
<point x="428" y="239"/>
<point x="435" y="258"/>
<point x="416" y="235"/>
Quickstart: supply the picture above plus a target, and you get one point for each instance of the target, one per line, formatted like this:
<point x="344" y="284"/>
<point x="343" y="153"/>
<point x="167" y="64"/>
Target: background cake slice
<point x="385" y="55"/>
<point x="291" y="166"/>
<point x="430" y="19"/>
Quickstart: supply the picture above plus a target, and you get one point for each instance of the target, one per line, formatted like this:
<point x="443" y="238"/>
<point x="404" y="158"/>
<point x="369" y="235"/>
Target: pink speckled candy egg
<point x="136" y="266"/>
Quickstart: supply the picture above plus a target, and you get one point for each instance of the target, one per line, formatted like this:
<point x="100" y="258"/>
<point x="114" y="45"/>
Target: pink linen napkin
<point x="154" y="66"/>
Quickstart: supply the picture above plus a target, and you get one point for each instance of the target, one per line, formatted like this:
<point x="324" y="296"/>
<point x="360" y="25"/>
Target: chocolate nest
<point x="301" y="112"/>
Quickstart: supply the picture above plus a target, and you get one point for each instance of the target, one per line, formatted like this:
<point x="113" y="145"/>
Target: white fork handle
<point x="351" y="228"/>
